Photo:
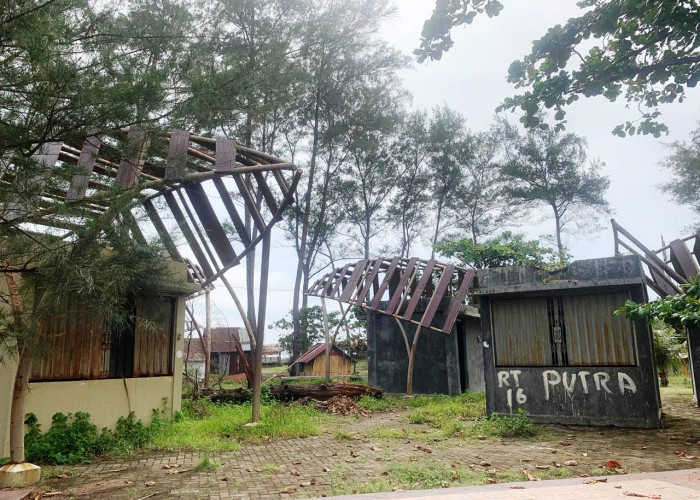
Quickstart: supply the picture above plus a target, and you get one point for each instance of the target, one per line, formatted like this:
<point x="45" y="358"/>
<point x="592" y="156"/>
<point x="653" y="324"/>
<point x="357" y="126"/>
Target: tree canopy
<point x="507" y="249"/>
<point x="646" y="52"/>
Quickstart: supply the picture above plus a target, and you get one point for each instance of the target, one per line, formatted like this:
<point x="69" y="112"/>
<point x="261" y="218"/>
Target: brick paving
<point x="680" y="485"/>
<point x="350" y="462"/>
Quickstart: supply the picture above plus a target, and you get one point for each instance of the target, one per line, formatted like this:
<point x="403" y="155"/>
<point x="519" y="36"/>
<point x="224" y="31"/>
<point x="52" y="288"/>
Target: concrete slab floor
<point x="671" y="485"/>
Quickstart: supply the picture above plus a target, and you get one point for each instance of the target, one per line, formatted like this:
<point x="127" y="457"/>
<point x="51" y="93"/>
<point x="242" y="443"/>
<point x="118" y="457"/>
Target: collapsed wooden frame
<point x="396" y="286"/>
<point x="175" y="181"/>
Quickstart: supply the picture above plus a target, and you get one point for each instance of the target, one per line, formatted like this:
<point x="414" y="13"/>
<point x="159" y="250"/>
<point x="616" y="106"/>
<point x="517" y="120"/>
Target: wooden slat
<point x="176" y="168"/>
<point x="354" y="280"/>
<point x="369" y="280"/>
<point x="418" y="292"/>
<point x="398" y="294"/>
<point x="225" y="155"/>
<point x="162" y="231"/>
<point x="250" y="203"/>
<point x="232" y="211"/>
<point x="265" y="190"/>
<point x="457" y="301"/>
<point x="682" y="259"/>
<point x="187" y="233"/>
<point x="338" y="282"/>
<point x="135" y="151"/>
<point x="438" y="295"/>
<point x="192" y="219"/>
<point x="86" y="163"/>
<point x="212" y="227"/>
<point x="385" y="283"/>
<point x="661" y="285"/>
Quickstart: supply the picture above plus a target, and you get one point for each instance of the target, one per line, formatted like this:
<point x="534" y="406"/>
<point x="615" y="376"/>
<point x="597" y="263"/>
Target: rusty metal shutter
<point x="521" y="332"/>
<point x="594" y="335"/>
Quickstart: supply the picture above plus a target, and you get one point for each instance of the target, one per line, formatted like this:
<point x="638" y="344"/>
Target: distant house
<point x="272" y="354"/>
<point x="225" y="358"/>
<point x="313" y="361"/>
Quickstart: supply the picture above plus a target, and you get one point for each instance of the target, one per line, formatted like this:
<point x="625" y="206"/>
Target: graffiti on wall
<point x="579" y="382"/>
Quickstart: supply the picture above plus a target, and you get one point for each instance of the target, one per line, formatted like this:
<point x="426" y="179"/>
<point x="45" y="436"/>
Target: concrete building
<point x="444" y="364"/>
<point x="554" y="348"/>
<point x="107" y="374"/>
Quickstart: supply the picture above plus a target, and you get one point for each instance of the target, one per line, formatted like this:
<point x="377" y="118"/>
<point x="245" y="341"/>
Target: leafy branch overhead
<point x="645" y="52"/>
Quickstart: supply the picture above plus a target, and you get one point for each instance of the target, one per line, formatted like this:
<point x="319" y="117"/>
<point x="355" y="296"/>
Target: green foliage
<point x="684" y="165"/>
<point x="223" y="427"/>
<point x="512" y="426"/>
<point x="507" y="249"/>
<point x="74" y="439"/>
<point x="548" y="169"/>
<point x="311" y="320"/>
<point x="678" y="311"/>
<point x="669" y="345"/>
<point x="645" y="52"/>
<point x="207" y="464"/>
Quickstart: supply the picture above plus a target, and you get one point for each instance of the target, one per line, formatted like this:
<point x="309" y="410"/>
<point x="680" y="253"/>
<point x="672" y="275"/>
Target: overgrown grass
<point x="224" y="426"/>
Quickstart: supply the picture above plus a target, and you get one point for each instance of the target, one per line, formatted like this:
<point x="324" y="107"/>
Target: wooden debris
<point x="286" y="392"/>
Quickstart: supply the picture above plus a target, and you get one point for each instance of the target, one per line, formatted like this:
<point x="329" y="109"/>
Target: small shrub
<point x="207" y="464"/>
<point x="73" y="439"/>
<point x="518" y="425"/>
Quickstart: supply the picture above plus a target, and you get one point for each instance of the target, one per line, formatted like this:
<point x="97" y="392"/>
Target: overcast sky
<point x="471" y="78"/>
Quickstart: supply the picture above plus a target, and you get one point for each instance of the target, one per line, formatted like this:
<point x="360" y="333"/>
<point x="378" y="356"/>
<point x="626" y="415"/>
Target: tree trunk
<point x="557" y="225"/>
<point x="664" y="378"/>
<point x="19" y="396"/>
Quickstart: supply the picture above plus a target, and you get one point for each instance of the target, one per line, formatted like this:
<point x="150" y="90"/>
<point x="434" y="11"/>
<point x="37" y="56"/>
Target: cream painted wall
<point x="105" y="400"/>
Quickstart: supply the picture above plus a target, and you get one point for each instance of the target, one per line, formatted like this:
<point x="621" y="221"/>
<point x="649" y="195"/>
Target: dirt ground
<point x="382" y="452"/>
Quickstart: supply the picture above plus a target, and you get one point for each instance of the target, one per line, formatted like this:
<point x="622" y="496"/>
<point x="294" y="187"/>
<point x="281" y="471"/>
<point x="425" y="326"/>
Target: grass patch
<point x="443" y="411"/>
<point x="270" y="469"/>
<point x="223" y="428"/>
<point x="343" y="436"/>
<point x="207" y="464"/>
<point x="519" y="426"/>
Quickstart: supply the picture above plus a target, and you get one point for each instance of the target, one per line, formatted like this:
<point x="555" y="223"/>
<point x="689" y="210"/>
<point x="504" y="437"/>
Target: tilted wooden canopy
<point x="667" y="268"/>
<point x="396" y="286"/>
<point x="203" y="186"/>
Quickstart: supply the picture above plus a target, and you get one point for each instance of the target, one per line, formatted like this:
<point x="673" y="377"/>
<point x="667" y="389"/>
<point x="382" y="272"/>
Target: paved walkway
<point x="677" y="485"/>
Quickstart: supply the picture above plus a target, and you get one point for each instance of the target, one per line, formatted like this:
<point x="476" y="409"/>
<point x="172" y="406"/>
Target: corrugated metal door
<point x="521" y="332"/>
<point x="594" y="335"/>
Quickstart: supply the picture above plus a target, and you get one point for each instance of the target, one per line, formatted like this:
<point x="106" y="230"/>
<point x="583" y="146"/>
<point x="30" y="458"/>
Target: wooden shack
<point x="313" y="361"/>
<point x="554" y="348"/>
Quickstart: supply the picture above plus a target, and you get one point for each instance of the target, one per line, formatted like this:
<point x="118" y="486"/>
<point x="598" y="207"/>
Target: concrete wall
<point x="597" y="395"/>
<point x="437" y="359"/>
<point x="694" y="361"/>
<point x="105" y="400"/>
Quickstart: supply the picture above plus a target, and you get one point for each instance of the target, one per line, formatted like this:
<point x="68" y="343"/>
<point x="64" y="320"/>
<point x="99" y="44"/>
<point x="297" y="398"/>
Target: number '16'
<point x="520" y="396"/>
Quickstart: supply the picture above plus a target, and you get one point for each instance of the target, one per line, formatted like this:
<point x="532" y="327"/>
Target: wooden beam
<point x="212" y="227"/>
<point x="187" y="233"/>
<point x="176" y="167"/>
<point x="418" y="292"/>
<point x="86" y="164"/>
<point x="438" y="295"/>
<point x="225" y="155"/>
<point x="135" y="151"/>
<point x="162" y="230"/>
<point x="232" y="211"/>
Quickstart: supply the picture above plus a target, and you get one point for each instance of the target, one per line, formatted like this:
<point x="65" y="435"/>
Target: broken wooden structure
<point x="210" y="202"/>
<point x="667" y="270"/>
<point x="411" y="296"/>
<point x="554" y="348"/>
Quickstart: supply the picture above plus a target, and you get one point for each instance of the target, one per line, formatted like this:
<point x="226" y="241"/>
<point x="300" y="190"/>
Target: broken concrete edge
<point x="19" y="475"/>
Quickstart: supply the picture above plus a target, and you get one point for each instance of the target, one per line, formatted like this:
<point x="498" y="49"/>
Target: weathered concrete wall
<point x="438" y="358"/>
<point x="598" y="395"/>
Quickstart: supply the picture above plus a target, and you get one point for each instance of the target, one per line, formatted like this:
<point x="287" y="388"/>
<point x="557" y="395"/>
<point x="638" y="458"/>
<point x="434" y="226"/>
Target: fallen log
<point x="235" y="396"/>
<point x="286" y="392"/>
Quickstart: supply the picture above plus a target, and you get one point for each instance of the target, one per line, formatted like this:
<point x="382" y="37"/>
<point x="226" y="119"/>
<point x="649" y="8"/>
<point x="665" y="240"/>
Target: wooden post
<point x="207" y="341"/>
<point x="411" y="358"/>
<point x="328" y="339"/>
<point x="260" y="340"/>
